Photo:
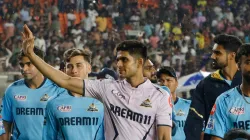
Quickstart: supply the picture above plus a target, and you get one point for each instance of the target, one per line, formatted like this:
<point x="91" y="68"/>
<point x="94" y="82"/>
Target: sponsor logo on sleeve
<point x="213" y="110"/>
<point x="1" y="125"/>
<point x="92" y="108"/>
<point x="210" y="123"/>
<point x="64" y="108"/>
<point x="146" y="103"/>
<point x="20" y="97"/>
<point x="118" y="94"/>
<point x="237" y="110"/>
<point x="170" y="101"/>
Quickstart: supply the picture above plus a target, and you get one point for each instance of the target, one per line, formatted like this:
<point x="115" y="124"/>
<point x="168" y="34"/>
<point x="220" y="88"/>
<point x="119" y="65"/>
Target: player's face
<point x="149" y="71"/>
<point x="28" y="70"/>
<point x="219" y="57"/>
<point x="245" y="67"/>
<point x="170" y="82"/>
<point x="127" y="65"/>
<point x="78" y="67"/>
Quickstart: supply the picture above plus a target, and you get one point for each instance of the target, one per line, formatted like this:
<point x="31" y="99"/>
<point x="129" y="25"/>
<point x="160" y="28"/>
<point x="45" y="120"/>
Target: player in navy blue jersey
<point x="167" y="77"/>
<point x="71" y="116"/>
<point x="25" y="100"/>
<point x="224" y="78"/>
<point x="232" y="108"/>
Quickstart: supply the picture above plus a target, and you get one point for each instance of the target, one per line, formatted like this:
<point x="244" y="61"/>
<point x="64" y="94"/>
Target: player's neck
<point x="245" y="88"/>
<point x="174" y="97"/>
<point x="76" y="94"/>
<point x="135" y="81"/>
<point x="35" y="82"/>
<point x="229" y="71"/>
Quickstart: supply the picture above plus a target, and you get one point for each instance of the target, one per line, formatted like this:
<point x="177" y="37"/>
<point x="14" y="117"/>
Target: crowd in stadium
<point x="138" y="50"/>
<point x="177" y="32"/>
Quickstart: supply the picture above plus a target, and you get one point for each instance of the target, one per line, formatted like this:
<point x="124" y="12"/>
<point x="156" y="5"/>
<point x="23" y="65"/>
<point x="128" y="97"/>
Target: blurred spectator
<point x="178" y="30"/>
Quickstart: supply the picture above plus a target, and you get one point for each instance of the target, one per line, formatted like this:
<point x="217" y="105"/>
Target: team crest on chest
<point x="180" y="113"/>
<point x="146" y="103"/>
<point x="92" y="108"/>
<point x="45" y="97"/>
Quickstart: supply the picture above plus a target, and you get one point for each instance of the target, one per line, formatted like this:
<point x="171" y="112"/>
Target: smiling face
<point x="28" y="70"/>
<point x="78" y="67"/>
<point x="127" y="64"/>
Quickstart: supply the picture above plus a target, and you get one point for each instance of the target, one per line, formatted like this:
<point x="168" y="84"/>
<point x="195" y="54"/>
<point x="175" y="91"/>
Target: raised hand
<point x="28" y="40"/>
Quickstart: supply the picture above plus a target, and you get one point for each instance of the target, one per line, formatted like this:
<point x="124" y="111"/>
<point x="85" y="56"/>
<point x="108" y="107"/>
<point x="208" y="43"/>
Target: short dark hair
<point x="170" y="71"/>
<point x="244" y="50"/>
<point x="37" y="51"/>
<point x="236" y="133"/>
<point x="229" y="42"/>
<point x="134" y="47"/>
<point x="68" y="54"/>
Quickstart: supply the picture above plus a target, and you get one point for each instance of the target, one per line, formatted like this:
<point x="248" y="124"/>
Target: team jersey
<point x="181" y="108"/>
<point x="229" y="111"/>
<point x="25" y="108"/>
<point x="131" y="113"/>
<point x="2" y="131"/>
<point x="74" y="118"/>
<point x="175" y="126"/>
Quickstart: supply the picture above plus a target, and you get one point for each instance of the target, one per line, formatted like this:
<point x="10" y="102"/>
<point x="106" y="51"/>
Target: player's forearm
<point x="63" y="80"/>
<point x="165" y="137"/>
<point x="7" y="128"/>
<point x="48" y="71"/>
<point x="6" y="136"/>
<point x="215" y="138"/>
<point x="164" y="133"/>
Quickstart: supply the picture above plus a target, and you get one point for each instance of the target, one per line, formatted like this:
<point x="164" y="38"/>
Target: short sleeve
<point x="164" y="112"/>
<point x="50" y="124"/>
<point x="7" y="114"/>
<point x="95" y="88"/>
<point x="216" y="124"/>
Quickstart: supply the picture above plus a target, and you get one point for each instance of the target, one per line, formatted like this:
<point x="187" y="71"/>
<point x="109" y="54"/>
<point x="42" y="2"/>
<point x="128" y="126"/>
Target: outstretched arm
<point x="63" y="80"/>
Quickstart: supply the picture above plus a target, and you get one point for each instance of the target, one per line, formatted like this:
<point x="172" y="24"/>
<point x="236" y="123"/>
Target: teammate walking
<point x="71" y="116"/>
<point x="25" y="100"/>
<point x="226" y="77"/>
<point x="232" y="108"/>
<point x="167" y="77"/>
